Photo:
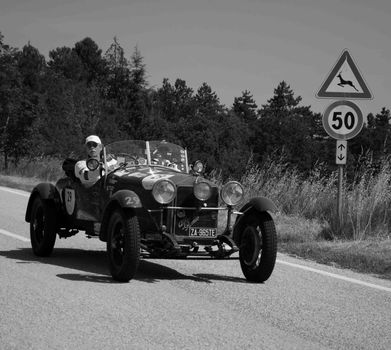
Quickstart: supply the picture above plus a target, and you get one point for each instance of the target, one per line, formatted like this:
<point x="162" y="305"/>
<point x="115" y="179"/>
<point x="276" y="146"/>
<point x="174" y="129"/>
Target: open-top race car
<point x="153" y="204"/>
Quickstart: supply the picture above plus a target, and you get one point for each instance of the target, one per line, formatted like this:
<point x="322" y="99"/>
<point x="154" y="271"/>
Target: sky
<point x="232" y="45"/>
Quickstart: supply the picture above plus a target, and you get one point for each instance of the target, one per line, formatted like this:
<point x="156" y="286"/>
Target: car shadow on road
<point x="92" y="262"/>
<point x="94" y="267"/>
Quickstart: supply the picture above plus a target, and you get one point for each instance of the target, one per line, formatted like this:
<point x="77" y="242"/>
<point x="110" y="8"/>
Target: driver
<point x="94" y="148"/>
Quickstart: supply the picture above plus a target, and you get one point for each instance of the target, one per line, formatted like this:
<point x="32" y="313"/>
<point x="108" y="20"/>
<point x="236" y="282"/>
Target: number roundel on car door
<point x="70" y="200"/>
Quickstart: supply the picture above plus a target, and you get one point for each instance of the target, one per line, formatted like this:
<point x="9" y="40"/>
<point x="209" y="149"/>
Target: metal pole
<point x="339" y="203"/>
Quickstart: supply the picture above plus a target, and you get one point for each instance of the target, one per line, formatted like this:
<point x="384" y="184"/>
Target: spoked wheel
<point x="42" y="227"/>
<point x="123" y="245"/>
<point x="258" y="247"/>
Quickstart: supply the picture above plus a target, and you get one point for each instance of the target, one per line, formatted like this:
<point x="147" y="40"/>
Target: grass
<point x="307" y="223"/>
<point x="303" y="238"/>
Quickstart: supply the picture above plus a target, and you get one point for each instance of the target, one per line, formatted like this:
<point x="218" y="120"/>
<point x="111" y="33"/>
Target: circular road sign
<point x="343" y="120"/>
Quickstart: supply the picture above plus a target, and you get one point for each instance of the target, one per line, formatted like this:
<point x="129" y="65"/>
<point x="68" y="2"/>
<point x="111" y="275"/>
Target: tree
<point x="118" y="79"/>
<point x="245" y="107"/>
<point x="207" y="101"/>
<point x="10" y="96"/>
<point x="233" y="148"/>
<point x="91" y="57"/>
<point x="175" y="101"/>
<point x="31" y="65"/>
<point x="200" y="131"/>
<point x="66" y="62"/>
<point x="138" y="102"/>
<point x="284" y="126"/>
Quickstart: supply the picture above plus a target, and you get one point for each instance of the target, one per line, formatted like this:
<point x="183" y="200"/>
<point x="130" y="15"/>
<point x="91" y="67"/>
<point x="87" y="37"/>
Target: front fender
<point x="126" y="199"/>
<point x="46" y="191"/>
<point x="256" y="206"/>
<point x="260" y="204"/>
<point x="121" y="199"/>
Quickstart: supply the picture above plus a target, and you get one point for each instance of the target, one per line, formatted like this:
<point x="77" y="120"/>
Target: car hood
<point x="147" y="176"/>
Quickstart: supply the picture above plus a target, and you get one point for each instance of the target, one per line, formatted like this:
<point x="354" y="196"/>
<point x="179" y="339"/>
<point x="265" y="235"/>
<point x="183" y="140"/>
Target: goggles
<point x="92" y="144"/>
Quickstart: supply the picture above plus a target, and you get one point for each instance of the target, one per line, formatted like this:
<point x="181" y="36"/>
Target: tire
<point x="258" y="247"/>
<point x="43" y="227"/>
<point x="123" y="245"/>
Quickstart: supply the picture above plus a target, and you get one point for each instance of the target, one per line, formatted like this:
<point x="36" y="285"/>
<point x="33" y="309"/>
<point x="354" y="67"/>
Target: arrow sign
<point x="345" y="81"/>
<point x="340" y="155"/>
<point x="341" y="147"/>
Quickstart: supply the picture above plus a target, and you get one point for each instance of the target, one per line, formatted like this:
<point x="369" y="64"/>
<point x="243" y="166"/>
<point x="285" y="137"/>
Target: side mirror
<point x="92" y="164"/>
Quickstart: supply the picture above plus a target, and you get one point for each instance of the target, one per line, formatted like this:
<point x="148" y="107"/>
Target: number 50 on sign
<point x="343" y="120"/>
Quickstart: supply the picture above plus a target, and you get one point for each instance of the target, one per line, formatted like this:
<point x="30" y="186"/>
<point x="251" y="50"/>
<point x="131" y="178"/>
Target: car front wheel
<point x="42" y="227"/>
<point x="123" y="245"/>
<point x="258" y="247"/>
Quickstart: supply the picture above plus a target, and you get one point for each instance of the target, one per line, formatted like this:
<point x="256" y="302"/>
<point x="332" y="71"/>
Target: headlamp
<point x="232" y="193"/>
<point x="202" y="191"/>
<point x="198" y="167"/>
<point x="164" y="191"/>
<point x="92" y="164"/>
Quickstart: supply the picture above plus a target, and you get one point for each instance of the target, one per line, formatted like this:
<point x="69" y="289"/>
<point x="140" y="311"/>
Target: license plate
<point x="202" y="232"/>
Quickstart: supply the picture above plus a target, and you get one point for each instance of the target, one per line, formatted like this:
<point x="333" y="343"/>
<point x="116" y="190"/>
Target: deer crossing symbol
<point x="343" y="82"/>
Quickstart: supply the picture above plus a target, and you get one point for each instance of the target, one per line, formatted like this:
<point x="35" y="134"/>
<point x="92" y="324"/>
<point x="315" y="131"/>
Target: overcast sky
<point x="233" y="45"/>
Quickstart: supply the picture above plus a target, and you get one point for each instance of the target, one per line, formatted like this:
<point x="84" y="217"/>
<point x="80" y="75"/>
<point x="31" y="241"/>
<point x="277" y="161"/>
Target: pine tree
<point x="118" y="78"/>
<point x="285" y="126"/>
<point x="138" y="103"/>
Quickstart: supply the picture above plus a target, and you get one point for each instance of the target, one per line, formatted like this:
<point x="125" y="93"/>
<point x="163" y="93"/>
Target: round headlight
<point x="92" y="164"/>
<point x="202" y="191"/>
<point x="198" y="167"/>
<point x="164" y="191"/>
<point x="232" y="193"/>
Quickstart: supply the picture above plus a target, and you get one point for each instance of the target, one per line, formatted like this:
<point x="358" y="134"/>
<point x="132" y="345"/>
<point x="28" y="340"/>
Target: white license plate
<point x="202" y="232"/>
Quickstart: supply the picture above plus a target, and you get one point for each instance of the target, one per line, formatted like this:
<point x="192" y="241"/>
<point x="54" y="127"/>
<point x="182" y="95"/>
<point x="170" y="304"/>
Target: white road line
<point x="19" y="192"/>
<point x="333" y="275"/>
<point x="13" y="235"/>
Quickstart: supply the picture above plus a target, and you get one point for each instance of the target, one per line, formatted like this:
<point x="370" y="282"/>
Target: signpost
<point x="343" y="120"/>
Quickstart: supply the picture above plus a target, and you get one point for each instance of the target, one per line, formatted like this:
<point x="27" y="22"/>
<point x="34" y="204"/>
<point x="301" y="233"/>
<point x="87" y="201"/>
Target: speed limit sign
<point x="343" y="120"/>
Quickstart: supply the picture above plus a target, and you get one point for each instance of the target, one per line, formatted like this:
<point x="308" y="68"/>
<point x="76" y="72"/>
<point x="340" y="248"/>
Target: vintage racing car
<point x="153" y="204"/>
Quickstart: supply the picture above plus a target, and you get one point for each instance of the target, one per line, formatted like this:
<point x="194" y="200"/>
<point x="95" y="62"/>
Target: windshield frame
<point x="149" y="152"/>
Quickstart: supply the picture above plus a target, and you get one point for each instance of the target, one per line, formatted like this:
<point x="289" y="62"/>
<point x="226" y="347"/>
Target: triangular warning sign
<point x="344" y="81"/>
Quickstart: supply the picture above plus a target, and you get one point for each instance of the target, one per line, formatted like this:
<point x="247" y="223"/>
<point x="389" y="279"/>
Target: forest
<point x="48" y="107"/>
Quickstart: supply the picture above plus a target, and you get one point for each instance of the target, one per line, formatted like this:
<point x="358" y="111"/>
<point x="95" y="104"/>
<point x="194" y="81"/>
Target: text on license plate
<point x="202" y="232"/>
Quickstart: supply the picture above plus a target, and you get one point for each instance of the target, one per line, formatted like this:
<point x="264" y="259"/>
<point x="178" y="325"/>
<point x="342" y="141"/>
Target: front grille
<point x="181" y="221"/>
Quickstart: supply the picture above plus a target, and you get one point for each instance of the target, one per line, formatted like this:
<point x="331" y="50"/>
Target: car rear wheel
<point x="258" y="247"/>
<point x="43" y="227"/>
<point x="123" y="245"/>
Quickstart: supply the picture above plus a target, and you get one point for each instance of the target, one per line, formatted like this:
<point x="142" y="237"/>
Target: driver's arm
<point x="86" y="176"/>
<point x="111" y="163"/>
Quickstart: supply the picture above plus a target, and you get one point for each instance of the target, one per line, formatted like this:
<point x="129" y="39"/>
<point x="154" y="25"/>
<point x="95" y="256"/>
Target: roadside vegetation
<point x="307" y="223"/>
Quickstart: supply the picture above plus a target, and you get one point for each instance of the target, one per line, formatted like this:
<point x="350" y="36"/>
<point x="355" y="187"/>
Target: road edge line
<point x="334" y="275"/>
<point x="13" y="235"/>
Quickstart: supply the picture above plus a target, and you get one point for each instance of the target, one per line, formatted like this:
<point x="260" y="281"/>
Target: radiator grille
<point x="181" y="220"/>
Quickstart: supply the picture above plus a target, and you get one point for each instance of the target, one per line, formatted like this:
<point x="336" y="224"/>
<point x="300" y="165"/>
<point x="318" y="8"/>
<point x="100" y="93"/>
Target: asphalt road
<point x="69" y="301"/>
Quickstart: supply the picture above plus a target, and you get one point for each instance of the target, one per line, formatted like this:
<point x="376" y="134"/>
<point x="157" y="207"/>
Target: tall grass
<point x="367" y="208"/>
<point x="42" y="168"/>
<point x="366" y="202"/>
